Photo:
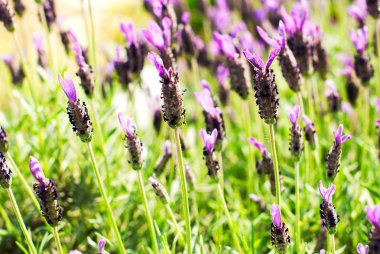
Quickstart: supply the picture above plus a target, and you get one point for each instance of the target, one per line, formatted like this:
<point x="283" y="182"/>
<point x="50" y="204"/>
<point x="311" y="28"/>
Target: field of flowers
<point x="190" y="126"/>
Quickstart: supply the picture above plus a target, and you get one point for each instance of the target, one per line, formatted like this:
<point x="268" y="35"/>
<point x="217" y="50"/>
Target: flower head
<point x="256" y="61"/>
<point x="326" y="193"/>
<point x="261" y="146"/>
<point x="373" y="216"/>
<point x="101" y="245"/>
<point x="205" y="100"/>
<point x="36" y="170"/>
<point x="156" y="36"/>
<point x="358" y="10"/>
<point x="362" y="249"/>
<point x="296" y="20"/>
<point x="276" y="216"/>
<point x="127" y="29"/>
<point x="68" y="87"/>
<point x="307" y="121"/>
<point x="79" y="54"/>
<point x="156" y="60"/>
<point x="225" y="44"/>
<point x="339" y="139"/>
<point x="359" y="38"/>
<point x="209" y="140"/>
<point x="127" y="125"/>
<point x="294" y="115"/>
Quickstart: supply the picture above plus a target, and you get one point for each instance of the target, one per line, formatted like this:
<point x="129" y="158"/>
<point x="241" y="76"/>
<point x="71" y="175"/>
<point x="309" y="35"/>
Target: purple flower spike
<point x="129" y="33"/>
<point x="154" y="35"/>
<point x="38" y="41"/>
<point x="36" y="170"/>
<point x="128" y="126"/>
<point x="68" y="87"/>
<point x="276" y="216"/>
<point x="307" y="121"/>
<point x="326" y="193"/>
<point x="209" y="140"/>
<point x="339" y="139"/>
<point x="157" y="61"/>
<point x="362" y="249"/>
<point x="254" y="59"/>
<point x="373" y="215"/>
<point x="294" y="115"/>
<point x="226" y="44"/>
<point x="79" y="54"/>
<point x="101" y="245"/>
<point x="205" y="100"/>
<point x="359" y="38"/>
<point x="261" y="146"/>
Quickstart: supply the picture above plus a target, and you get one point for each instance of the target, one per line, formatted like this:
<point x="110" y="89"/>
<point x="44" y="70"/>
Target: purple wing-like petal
<point x="167" y="23"/>
<point x="294" y="115"/>
<point x="154" y="35"/>
<point x="266" y="37"/>
<point x="307" y="121"/>
<point x="276" y="216"/>
<point x="271" y="58"/>
<point x="254" y="59"/>
<point x="68" y="86"/>
<point x="185" y="18"/>
<point x="158" y="63"/>
<point x="362" y="249"/>
<point x="79" y="54"/>
<point x="262" y="148"/>
<point x="127" y="125"/>
<point x="36" y="170"/>
<point x="128" y="32"/>
<point x="101" y="245"/>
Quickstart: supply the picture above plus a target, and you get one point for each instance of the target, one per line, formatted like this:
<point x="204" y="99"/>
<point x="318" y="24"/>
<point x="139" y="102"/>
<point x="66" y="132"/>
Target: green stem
<point x="147" y="213"/>
<point x="28" y="238"/>
<point x="328" y="251"/>
<point x="298" y="229"/>
<point x="48" y="40"/>
<point x="177" y="228"/>
<point x="250" y="167"/>
<point x="185" y="199"/>
<point x="93" y="41"/>
<point x="275" y="164"/>
<point x="333" y="244"/>
<point x="105" y="199"/>
<point x="307" y="85"/>
<point x="229" y="220"/>
<point x="57" y="241"/>
<point x="23" y="181"/>
<point x="25" y="67"/>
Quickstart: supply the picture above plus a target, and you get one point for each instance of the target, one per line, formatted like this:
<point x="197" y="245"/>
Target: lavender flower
<point x="85" y="72"/>
<point x="358" y="10"/>
<point x="3" y="140"/>
<point x="266" y="93"/>
<point x="288" y="63"/>
<point x="159" y="190"/>
<point x="333" y="98"/>
<point x="186" y="35"/>
<point x="221" y="16"/>
<point x="208" y="153"/>
<point x="222" y="73"/>
<point x="212" y="115"/>
<point x="238" y="69"/>
<point x="352" y="86"/>
<point x="319" y="55"/>
<point x="49" y="12"/>
<point x="47" y="193"/>
<point x="190" y="176"/>
<point x="333" y="157"/>
<point x="309" y="130"/>
<point x="164" y="159"/>
<point x="133" y="142"/>
<point x="5" y="173"/>
<point x="78" y="113"/>
<point x="296" y="146"/>
<point x="121" y="67"/>
<point x="373" y="215"/>
<point x="174" y="113"/>
<point x="327" y="210"/>
<point x="259" y="201"/>
<point x="362" y="249"/>
<point x="377" y="126"/>
<point x="362" y="65"/>
<point x="279" y="231"/>
<point x="101" y="245"/>
<point x="6" y="15"/>
<point x="39" y="45"/>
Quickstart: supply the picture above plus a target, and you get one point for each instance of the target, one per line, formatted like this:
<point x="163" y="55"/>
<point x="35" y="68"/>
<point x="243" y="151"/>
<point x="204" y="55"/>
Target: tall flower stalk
<point x="267" y="100"/>
<point x="82" y="126"/>
<point x="174" y="115"/>
<point x="5" y="182"/>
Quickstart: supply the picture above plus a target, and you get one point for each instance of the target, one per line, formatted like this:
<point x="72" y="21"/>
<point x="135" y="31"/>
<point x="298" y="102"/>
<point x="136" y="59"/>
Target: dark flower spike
<point x="373" y="215"/>
<point x="39" y="45"/>
<point x="133" y="142"/>
<point x="327" y="210"/>
<point x="47" y="194"/>
<point x="373" y="8"/>
<point x="208" y="153"/>
<point x="333" y="98"/>
<point x="266" y="93"/>
<point x="174" y="113"/>
<point x="6" y="15"/>
<point x="333" y="157"/>
<point x="159" y="190"/>
<point x="279" y="231"/>
<point x="164" y="159"/>
<point x="362" y="249"/>
<point x="3" y="140"/>
<point x="186" y="35"/>
<point x="17" y="73"/>
<point x="19" y="7"/>
<point x="78" y="113"/>
<point x="85" y="72"/>
<point x="319" y="55"/>
<point x="310" y="134"/>
<point x="5" y="173"/>
<point x="296" y="146"/>
<point x="101" y="245"/>
<point x="49" y="12"/>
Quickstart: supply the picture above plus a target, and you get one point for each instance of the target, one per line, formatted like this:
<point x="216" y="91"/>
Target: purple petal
<point x="127" y="125"/>
<point x="205" y="85"/>
<point x="276" y="216"/>
<point x="68" y="86"/>
<point x="271" y="58"/>
<point x="185" y="18"/>
<point x="79" y="54"/>
<point x="167" y="147"/>
<point x="226" y="44"/>
<point x="266" y="37"/>
<point x="101" y="245"/>
<point x="294" y="115"/>
<point x="322" y="251"/>
<point x="208" y="140"/>
<point x="222" y="73"/>
<point x="282" y="35"/>
<point x="362" y="249"/>
<point x="154" y="35"/>
<point x="288" y="21"/>
<point x="377" y="122"/>
<point x="205" y="101"/>
<point x="167" y="24"/>
<point x="262" y="148"/>
<point x="128" y="32"/>
<point x="326" y="193"/>
<point x="38" y="41"/>
<point x="373" y="215"/>
<point x="36" y="170"/>
<point x="157" y="62"/>
<point x="378" y="105"/>
<point x="307" y="121"/>
<point x="359" y="38"/>
<point x="254" y="59"/>
<point x="72" y="35"/>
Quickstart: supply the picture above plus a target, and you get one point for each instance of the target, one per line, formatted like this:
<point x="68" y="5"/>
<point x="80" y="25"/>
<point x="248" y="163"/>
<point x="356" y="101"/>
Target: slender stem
<point x="23" y="181"/>
<point x="229" y="220"/>
<point x="28" y="238"/>
<point x="309" y="96"/>
<point x="177" y="228"/>
<point x="185" y="199"/>
<point x="105" y="199"/>
<point x="25" y="67"/>
<point x="6" y="219"/>
<point x="93" y="41"/>
<point x="298" y="229"/>
<point x="250" y="167"/>
<point x="57" y="241"/>
<point x="328" y="244"/>
<point x="147" y="213"/>
<point x="275" y="164"/>
<point x="333" y="244"/>
<point x="195" y="71"/>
